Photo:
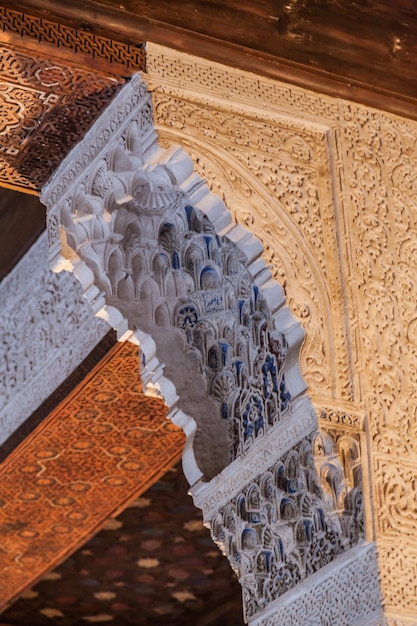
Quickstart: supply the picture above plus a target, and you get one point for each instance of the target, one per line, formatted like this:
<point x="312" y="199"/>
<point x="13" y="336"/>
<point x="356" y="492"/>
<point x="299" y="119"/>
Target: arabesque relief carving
<point x="312" y="606"/>
<point x="383" y="228"/>
<point x="271" y="170"/>
<point x="282" y="527"/>
<point x="44" y="337"/>
<point x="159" y="256"/>
<point x="72" y="39"/>
<point x="45" y="102"/>
<point x="348" y="278"/>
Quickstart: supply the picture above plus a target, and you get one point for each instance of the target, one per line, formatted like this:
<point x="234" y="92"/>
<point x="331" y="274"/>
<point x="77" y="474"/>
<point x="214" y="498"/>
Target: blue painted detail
<point x="292" y="485"/>
<point x="280" y="478"/>
<point x="308" y="529"/>
<point x="224" y="348"/>
<point x="249" y="539"/>
<point x="189" y="316"/>
<point x="254" y="357"/>
<point x="268" y="558"/>
<point x="253" y="424"/>
<point x="208" y="241"/>
<point x="269" y="367"/>
<point x="321" y="518"/>
<point x="284" y="395"/>
<point x="225" y="410"/>
<point x="209" y="278"/>
<point x="241" y="304"/>
<point x="238" y="366"/>
<point x="247" y="425"/>
<point x="287" y="508"/>
<point x="254" y="517"/>
<point x="189" y="211"/>
<point x="176" y="261"/>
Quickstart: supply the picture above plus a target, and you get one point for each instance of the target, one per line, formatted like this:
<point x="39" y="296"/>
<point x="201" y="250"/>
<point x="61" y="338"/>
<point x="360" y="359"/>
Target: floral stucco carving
<point x="328" y="187"/>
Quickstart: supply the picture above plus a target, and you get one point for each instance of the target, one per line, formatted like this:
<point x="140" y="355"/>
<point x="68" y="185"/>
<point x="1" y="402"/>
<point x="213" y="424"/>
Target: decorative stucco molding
<point x="152" y="244"/>
<point x="328" y="187"/>
<point x="160" y="257"/>
<point x="283" y="526"/>
<point x="351" y="582"/>
<point x="47" y="330"/>
<point x="269" y="151"/>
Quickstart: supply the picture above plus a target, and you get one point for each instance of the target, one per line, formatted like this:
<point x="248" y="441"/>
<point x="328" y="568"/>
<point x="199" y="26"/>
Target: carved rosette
<point x="160" y="259"/>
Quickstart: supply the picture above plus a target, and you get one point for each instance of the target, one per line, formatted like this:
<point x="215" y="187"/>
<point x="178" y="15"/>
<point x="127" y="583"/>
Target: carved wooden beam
<point x="362" y="51"/>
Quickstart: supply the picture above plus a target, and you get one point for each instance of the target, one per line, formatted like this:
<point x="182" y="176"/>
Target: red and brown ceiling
<point x="101" y="446"/>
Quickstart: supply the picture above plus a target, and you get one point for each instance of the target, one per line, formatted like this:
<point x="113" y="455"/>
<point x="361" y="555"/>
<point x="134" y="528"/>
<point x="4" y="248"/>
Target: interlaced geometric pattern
<point x="101" y="447"/>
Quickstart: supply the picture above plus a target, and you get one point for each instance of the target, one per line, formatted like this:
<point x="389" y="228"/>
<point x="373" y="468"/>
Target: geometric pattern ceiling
<point x="153" y="565"/>
<point x="100" y="448"/>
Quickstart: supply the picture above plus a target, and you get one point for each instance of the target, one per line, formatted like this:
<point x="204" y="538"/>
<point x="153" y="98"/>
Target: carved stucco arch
<point x="119" y="176"/>
<point x="94" y="218"/>
<point x="292" y="258"/>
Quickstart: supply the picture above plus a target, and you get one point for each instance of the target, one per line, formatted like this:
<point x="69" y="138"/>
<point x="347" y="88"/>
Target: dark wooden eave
<point x="365" y="51"/>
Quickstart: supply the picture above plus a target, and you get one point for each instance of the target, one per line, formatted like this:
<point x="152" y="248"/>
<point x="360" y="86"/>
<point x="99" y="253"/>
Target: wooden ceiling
<point x="103" y="445"/>
<point x="364" y="50"/>
<point x="62" y="62"/>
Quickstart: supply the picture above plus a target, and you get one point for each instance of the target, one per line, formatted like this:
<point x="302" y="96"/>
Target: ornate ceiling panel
<point x="54" y="82"/>
<point x="84" y="463"/>
<point x="154" y="564"/>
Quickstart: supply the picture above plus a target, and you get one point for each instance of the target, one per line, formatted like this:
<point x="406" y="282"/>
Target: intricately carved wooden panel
<point x="120" y="55"/>
<point x="21" y="110"/>
<point x="100" y="448"/>
<point x="51" y="93"/>
<point x="362" y="51"/>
